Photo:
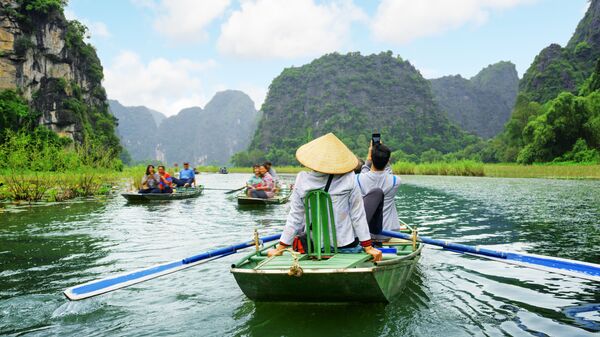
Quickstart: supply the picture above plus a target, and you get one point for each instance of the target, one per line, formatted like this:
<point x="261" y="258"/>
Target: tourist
<point x="187" y="177"/>
<point x="166" y="182"/>
<point x="255" y="181"/>
<point x="378" y="186"/>
<point x="332" y="165"/>
<point x="269" y="166"/>
<point x="150" y="181"/>
<point x="267" y="188"/>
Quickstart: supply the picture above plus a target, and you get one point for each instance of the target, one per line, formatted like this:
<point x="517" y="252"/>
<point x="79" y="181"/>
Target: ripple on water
<point x="45" y="249"/>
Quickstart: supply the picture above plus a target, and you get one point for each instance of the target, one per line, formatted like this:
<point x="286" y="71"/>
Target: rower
<point x="332" y="165"/>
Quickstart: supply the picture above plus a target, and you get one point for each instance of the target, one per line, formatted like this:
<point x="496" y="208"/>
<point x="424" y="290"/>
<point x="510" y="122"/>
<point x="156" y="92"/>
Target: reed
<point x="550" y="170"/>
<point x="457" y="168"/>
<point x="59" y="186"/>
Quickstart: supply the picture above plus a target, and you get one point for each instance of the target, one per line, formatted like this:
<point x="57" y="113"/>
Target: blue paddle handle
<point x="449" y="245"/>
<point x="543" y="261"/>
<point x="227" y="250"/>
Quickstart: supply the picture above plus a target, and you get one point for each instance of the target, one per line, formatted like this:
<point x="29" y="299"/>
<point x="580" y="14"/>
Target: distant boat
<point x="223" y="170"/>
<point x="280" y="198"/>
<point x="338" y="278"/>
<point x="180" y="193"/>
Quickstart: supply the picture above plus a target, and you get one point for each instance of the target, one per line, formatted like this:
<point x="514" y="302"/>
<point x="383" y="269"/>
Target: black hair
<point x="255" y="166"/>
<point x="380" y="154"/>
<point x="148" y="169"/>
<point x="267" y="164"/>
<point x="359" y="166"/>
<point x="161" y="166"/>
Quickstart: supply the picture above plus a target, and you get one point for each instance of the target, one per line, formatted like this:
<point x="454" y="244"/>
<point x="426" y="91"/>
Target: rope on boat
<point x="295" y="269"/>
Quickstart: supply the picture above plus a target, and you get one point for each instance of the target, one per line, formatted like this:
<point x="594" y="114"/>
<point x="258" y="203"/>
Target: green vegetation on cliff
<point x="352" y="95"/>
<point x="57" y="111"/>
<point x="557" y="113"/>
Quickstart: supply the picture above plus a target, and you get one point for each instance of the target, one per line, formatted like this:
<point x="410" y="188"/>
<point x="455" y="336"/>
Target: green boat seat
<point x="320" y="225"/>
<point x="338" y="261"/>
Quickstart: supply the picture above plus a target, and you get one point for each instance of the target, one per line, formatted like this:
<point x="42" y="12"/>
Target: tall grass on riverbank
<point x="550" y="170"/>
<point x="29" y="186"/>
<point x="457" y="168"/>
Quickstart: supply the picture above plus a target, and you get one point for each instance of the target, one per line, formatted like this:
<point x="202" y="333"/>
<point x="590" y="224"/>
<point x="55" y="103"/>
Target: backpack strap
<point x="329" y="180"/>
<point x="359" y="185"/>
<point x="394" y="181"/>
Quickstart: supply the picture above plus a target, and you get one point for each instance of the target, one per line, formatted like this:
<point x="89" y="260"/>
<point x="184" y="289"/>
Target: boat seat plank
<point x="338" y="261"/>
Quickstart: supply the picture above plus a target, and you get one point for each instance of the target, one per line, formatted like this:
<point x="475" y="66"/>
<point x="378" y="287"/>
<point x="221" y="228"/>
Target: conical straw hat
<point x="327" y="154"/>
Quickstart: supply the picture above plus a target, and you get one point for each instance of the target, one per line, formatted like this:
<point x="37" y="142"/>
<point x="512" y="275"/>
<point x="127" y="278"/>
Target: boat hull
<point x="277" y="200"/>
<point x="379" y="283"/>
<point x="179" y="194"/>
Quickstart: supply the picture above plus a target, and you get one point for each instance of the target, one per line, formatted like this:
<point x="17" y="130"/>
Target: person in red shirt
<point x="166" y="182"/>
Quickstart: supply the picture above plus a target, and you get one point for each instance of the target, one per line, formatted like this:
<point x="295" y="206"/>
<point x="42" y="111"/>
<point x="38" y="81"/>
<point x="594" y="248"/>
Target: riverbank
<point x="467" y="168"/>
<point x="27" y="186"/>
<point x="30" y="186"/>
<point x="551" y="171"/>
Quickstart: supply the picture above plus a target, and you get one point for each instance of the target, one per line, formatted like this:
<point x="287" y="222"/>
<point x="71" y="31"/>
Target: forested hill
<point x="210" y="135"/>
<point x="557" y="69"/>
<point x="352" y="95"/>
<point x="482" y="104"/>
<point x="557" y="113"/>
<point x="51" y="79"/>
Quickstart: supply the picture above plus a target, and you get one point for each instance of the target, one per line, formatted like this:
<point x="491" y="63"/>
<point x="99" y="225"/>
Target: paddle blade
<point x="102" y="286"/>
<point x="112" y="283"/>
<point x="579" y="269"/>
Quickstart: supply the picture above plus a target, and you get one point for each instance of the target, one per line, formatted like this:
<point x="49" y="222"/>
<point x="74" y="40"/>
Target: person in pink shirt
<point x="267" y="188"/>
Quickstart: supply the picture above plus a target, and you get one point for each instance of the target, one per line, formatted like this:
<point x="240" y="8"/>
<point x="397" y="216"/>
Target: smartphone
<point x="376" y="138"/>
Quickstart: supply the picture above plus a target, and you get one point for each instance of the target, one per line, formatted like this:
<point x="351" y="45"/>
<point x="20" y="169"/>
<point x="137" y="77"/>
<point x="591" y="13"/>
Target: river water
<point x="45" y="249"/>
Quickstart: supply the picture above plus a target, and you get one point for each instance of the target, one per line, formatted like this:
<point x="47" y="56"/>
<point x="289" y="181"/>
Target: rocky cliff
<point x="137" y="130"/>
<point x="482" y="104"/>
<point x="557" y="112"/>
<point x="210" y="135"/>
<point x="45" y="59"/>
<point x="352" y="95"/>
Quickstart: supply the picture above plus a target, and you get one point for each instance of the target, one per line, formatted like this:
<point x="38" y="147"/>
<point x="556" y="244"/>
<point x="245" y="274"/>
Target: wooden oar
<point x="112" y="283"/>
<point x="584" y="270"/>
<point x="233" y="191"/>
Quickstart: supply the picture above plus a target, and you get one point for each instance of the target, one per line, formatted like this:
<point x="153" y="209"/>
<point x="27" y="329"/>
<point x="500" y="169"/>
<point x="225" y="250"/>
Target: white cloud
<point x="160" y="84"/>
<point x="287" y="29"/>
<point x="256" y="93"/>
<point x="96" y="28"/>
<point x="185" y="20"/>
<point x="401" y="21"/>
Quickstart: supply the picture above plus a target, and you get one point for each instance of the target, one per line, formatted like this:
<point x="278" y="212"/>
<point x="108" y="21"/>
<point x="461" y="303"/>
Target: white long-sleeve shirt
<point x="348" y="208"/>
<point x="389" y="183"/>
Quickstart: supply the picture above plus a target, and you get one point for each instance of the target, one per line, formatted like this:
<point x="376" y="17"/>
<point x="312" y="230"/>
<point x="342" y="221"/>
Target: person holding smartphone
<point x="378" y="187"/>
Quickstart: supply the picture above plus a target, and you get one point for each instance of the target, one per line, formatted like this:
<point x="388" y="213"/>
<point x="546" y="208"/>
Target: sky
<point x="173" y="54"/>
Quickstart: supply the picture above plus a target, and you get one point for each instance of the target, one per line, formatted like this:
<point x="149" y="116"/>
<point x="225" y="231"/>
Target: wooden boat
<point x="280" y="198"/>
<point x="339" y="278"/>
<point x="180" y="193"/>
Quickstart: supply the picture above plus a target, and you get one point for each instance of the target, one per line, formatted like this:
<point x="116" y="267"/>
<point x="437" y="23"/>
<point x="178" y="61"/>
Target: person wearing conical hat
<point x="332" y="163"/>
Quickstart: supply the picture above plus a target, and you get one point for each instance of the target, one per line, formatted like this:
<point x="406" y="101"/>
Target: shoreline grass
<point x="31" y="186"/>
<point x="550" y="170"/>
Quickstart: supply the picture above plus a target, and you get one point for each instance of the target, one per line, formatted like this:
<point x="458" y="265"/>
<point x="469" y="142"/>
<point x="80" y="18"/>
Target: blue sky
<point x="172" y="54"/>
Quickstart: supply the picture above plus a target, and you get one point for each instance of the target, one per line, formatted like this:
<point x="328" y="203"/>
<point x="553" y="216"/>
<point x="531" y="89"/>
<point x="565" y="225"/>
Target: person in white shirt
<point x="378" y="186"/>
<point x="269" y="166"/>
<point x="329" y="159"/>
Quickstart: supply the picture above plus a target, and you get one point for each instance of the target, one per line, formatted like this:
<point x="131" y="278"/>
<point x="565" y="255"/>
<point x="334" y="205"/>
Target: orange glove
<point x="277" y="251"/>
<point x="376" y="253"/>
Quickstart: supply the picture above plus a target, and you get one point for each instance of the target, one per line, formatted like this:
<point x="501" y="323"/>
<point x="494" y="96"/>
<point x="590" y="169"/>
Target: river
<point x="45" y="249"/>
